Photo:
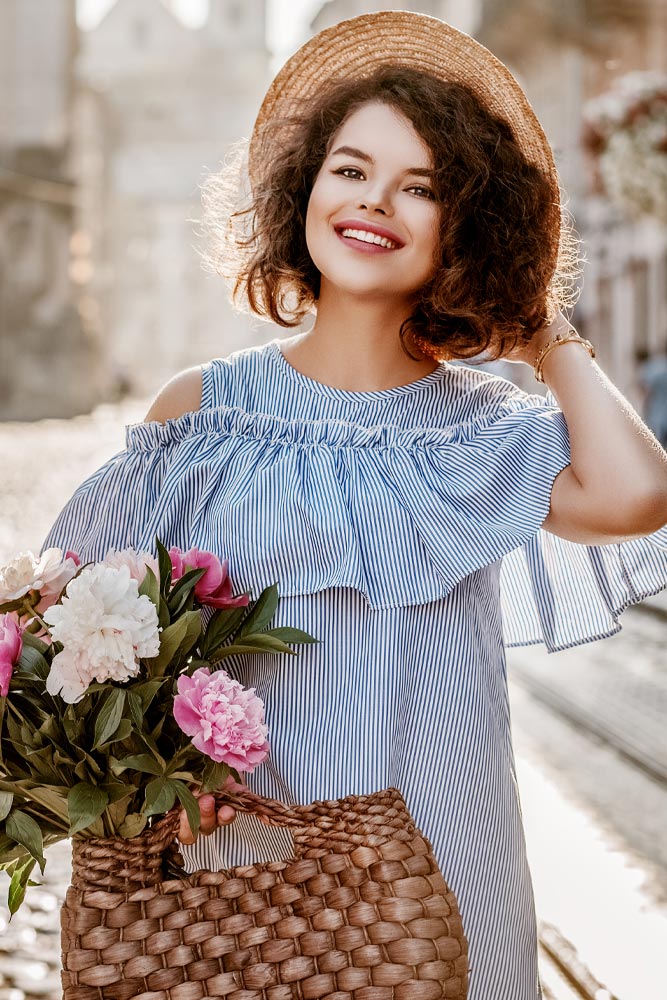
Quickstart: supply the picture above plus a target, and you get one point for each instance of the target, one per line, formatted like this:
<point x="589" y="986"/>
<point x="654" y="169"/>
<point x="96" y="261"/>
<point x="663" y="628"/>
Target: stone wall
<point x="49" y="365"/>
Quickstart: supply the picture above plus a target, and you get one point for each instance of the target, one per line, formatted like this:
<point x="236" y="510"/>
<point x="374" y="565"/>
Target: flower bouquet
<point x="113" y="701"/>
<point x="626" y="131"/>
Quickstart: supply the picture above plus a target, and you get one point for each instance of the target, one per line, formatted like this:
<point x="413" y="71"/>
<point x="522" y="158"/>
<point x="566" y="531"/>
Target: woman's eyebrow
<point x="367" y="158"/>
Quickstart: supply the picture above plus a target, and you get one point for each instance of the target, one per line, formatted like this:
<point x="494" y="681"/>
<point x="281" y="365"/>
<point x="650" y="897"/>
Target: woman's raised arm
<point x="615" y="488"/>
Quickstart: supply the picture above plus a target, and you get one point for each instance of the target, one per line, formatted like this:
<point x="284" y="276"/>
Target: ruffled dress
<point x="403" y="527"/>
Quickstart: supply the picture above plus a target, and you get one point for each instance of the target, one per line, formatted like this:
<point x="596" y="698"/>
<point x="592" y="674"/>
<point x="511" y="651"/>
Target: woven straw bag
<point x="361" y="913"/>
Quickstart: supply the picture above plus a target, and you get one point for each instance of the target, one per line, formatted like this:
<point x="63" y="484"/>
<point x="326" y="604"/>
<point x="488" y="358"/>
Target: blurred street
<point x="591" y="762"/>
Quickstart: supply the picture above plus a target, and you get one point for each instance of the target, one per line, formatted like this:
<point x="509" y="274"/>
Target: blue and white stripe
<point x="403" y="529"/>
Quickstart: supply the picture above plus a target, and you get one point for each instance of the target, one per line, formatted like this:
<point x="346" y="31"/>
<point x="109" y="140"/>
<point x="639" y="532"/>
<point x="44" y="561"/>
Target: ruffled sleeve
<point x="484" y="496"/>
<point x="399" y="505"/>
<point x="563" y="593"/>
<point x="110" y="509"/>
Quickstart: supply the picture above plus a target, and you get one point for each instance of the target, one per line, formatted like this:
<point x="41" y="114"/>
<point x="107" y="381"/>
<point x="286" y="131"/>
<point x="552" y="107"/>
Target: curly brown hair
<point x="494" y="284"/>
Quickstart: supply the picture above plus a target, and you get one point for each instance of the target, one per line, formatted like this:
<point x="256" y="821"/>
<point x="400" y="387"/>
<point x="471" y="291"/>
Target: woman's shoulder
<point x="205" y="385"/>
<point x="181" y="394"/>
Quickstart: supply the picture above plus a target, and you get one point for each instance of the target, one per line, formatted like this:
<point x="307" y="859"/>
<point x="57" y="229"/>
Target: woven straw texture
<point x="362" y="912"/>
<point x="356" y="47"/>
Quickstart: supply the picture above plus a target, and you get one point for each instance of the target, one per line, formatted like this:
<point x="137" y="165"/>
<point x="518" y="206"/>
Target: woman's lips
<point x="364" y="247"/>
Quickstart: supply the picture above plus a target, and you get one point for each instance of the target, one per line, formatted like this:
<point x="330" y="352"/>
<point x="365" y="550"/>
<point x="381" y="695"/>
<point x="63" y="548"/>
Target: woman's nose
<point x="376" y="200"/>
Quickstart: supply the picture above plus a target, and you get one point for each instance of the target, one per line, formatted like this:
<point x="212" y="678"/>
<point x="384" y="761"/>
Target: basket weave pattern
<point x="361" y="913"/>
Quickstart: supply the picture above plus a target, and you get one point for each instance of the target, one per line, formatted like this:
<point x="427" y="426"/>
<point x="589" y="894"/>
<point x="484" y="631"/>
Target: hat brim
<point x="358" y="46"/>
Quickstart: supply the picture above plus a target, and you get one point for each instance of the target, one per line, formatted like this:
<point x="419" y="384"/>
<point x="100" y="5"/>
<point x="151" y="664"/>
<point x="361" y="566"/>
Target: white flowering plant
<point x="114" y="705"/>
<point x="625" y="129"/>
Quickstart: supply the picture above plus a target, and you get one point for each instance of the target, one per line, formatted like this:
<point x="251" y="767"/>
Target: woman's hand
<point x="211" y="818"/>
<point x="528" y="352"/>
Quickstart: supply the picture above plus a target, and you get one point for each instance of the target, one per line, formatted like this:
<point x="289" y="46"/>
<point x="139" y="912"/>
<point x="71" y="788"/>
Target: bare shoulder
<point x="181" y="394"/>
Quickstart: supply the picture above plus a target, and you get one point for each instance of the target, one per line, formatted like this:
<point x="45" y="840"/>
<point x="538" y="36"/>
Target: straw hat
<point x="358" y="46"/>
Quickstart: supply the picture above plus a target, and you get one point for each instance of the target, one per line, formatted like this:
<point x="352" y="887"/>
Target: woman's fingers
<point x="184" y="834"/>
<point x="210" y="819"/>
<point x="226" y="815"/>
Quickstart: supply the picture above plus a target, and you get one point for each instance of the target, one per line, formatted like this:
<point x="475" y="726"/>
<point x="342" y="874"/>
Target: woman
<point x="418" y="515"/>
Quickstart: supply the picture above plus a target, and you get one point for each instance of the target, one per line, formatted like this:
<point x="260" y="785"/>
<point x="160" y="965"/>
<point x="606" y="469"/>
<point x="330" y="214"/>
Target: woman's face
<point x="374" y="182"/>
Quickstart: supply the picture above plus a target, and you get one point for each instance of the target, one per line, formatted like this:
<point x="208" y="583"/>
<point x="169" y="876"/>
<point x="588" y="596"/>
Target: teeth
<point x="365" y="237"/>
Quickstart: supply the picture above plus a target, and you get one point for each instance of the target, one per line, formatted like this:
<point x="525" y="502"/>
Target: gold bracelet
<point x="560" y="339"/>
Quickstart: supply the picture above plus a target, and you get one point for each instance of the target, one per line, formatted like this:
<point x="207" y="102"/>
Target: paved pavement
<point x="617" y="687"/>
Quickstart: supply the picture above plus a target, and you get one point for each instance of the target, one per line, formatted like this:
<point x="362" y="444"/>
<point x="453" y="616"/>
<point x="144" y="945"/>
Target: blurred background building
<point x="112" y="112"/>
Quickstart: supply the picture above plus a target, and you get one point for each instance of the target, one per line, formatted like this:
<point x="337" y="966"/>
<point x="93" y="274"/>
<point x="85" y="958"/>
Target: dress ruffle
<point x="400" y="514"/>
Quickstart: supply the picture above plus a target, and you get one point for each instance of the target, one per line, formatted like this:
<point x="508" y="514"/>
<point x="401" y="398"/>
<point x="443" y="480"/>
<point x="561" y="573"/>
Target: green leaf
<point x="163" y="616"/>
<point x="6" y="799"/>
<point x="252" y="644"/>
<point x="291" y="635"/>
<point x="190" y="804"/>
<point x="124" y="730"/>
<point x="164" y="567"/>
<point x="85" y="804"/>
<point x="137" y="762"/>
<point x="263" y="611"/>
<point x="73" y="725"/>
<point x="51" y="729"/>
<point x="53" y="799"/>
<point x="32" y="662"/>
<point x="31" y="640"/>
<point x="160" y="796"/>
<point x="183" y="589"/>
<point x="215" y="775"/>
<point x="118" y="790"/>
<point x="109" y="716"/>
<point x="147" y="691"/>
<point x="136" y="709"/>
<point x="148" y="740"/>
<point x="264" y="641"/>
<point x="19" y="882"/>
<point x="220" y="627"/>
<point x="150" y="587"/>
<point x="176" y="641"/>
<point x="132" y="825"/>
<point x="26" y="832"/>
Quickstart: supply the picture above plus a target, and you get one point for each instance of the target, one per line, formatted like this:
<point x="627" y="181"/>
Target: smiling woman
<point x="419" y="515"/>
<point x="396" y="267"/>
<point x="424" y="159"/>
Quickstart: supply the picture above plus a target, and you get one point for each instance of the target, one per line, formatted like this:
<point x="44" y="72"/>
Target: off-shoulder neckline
<point x="275" y="352"/>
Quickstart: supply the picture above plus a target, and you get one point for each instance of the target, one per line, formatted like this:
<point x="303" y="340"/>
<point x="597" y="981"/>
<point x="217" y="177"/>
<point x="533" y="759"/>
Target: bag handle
<point x="278" y="813"/>
<point x="379" y="815"/>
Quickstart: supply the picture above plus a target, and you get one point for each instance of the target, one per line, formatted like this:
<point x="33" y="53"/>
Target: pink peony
<point x="224" y="719"/>
<point x="11" y="645"/>
<point x="214" y="589"/>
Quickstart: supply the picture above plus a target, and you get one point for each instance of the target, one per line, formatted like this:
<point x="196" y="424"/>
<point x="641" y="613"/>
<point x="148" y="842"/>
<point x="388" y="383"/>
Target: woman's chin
<point x="383" y="289"/>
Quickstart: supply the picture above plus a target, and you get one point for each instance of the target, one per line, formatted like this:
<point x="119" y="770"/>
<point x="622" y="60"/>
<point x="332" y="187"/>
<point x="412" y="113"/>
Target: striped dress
<point x="403" y="529"/>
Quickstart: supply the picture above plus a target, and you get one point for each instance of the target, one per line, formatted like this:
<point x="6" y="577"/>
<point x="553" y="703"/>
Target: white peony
<point x="48" y="574"/>
<point x="105" y="626"/>
<point x="136" y="562"/>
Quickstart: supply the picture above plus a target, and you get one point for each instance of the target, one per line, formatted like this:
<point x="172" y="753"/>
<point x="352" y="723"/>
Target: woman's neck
<point x="357" y="348"/>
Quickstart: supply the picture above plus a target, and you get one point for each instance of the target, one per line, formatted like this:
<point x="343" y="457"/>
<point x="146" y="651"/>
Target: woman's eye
<point x="427" y="191"/>
<point x="344" y="170"/>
